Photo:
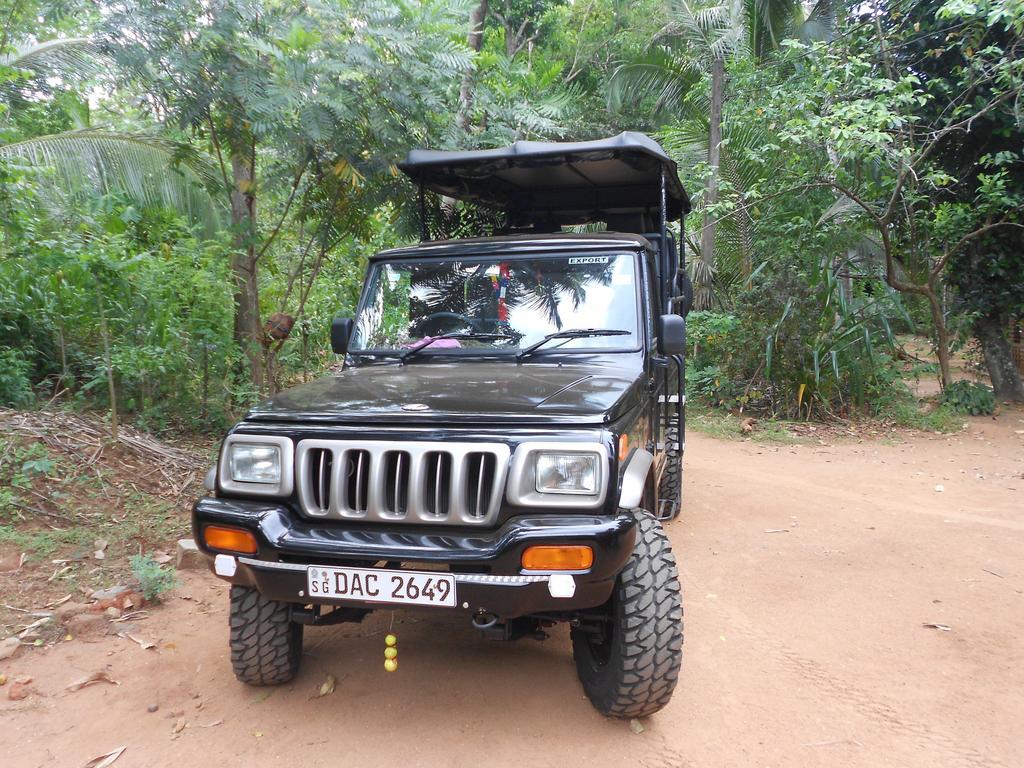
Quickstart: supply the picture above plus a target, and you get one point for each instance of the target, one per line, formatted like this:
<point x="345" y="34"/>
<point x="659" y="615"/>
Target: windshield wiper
<point x="579" y="333"/>
<point x="458" y="336"/>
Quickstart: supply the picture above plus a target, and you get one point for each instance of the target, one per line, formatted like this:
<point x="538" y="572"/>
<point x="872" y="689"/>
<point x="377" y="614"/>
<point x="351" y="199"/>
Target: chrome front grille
<point x="417" y="482"/>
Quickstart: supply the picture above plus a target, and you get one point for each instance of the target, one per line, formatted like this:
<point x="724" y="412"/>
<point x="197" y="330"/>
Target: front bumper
<point x="486" y="564"/>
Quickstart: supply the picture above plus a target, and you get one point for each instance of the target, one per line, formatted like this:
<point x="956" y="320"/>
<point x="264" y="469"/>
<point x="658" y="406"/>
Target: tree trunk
<point x="243" y="263"/>
<point x="108" y="362"/>
<point x="1006" y="378"/>
<point x="941" y="335"/>
<point x="474" y="40"/>
<point x="707" y="237"/>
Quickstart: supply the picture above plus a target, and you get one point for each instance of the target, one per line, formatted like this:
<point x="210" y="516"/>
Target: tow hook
<point x="484" y="620"/>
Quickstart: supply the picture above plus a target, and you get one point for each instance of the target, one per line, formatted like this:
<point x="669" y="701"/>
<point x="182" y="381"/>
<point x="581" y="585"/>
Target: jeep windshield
<point x="488" y="305"/>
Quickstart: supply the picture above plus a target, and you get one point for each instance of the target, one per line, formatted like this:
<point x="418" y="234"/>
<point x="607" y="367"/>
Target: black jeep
<point x="503" y="439"/>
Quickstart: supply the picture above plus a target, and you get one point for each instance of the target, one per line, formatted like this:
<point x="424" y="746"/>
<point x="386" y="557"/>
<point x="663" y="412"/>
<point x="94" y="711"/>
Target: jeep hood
<point x="477" y="392"/>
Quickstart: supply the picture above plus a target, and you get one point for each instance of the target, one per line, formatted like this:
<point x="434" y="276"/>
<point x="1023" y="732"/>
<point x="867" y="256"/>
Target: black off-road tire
<point x="629" y="662"/>
<point x="670" y="490"/>
<point x="266" y="645"/>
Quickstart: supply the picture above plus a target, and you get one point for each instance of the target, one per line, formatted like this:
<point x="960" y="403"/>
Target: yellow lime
<point x="390" y="665"/>
<point x="390" y="640"/>
<point x="390" y="653"/>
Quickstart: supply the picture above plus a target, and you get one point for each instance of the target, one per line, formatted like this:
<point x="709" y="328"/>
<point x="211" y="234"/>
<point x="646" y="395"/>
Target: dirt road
<point x="808" y="570"/>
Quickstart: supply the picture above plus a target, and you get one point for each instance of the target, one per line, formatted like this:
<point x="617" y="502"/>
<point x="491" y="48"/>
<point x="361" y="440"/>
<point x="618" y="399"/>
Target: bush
<point x="154" y="579"/>
<point x="969" y="397"/>
<point x="813" y="344"/>
<point x="713" y="337"/>
<point x="15" y="386"/>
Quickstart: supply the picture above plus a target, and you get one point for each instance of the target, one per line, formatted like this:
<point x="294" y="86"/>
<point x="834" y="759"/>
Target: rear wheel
<point x="266" y="645"/>
<point x="628" y="655"/>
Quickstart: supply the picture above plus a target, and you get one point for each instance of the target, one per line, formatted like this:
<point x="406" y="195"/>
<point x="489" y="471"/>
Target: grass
<point x="900" y="409"/>
<point x="97" y="502"/>
<point x="727" y="426"/>
<point x="43" y="543"/>
<point x="909" y="414"/>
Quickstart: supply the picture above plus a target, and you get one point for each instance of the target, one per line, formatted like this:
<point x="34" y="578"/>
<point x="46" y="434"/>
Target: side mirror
<point x="671" y="335"/>
<point x="341" y="334"/>
<point x="684" y="303"/>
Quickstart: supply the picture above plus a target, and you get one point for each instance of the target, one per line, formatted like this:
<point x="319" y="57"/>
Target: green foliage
<point x="713" y="336"/>
<point x="162" y="292"/>
<point x="154" y="579"/>
<point x="970" y="397"/>
<point x="15" y="384"/>
<point x="20" y="464"/>
<point x="98" y="224"/>
<point x="797" y="343"/>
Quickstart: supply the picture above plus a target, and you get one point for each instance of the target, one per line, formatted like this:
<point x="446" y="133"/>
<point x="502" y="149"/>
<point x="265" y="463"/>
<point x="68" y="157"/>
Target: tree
<point x="292" y="98"/>
<point x="522" y="21"/>
<point x="474" y="40"/>
<point x="989" y="273"/>
<point x="989" y="279"/>
<point x="883" y="129"/>
<point x="696" y="44"/>
<point x="152" y="169"/>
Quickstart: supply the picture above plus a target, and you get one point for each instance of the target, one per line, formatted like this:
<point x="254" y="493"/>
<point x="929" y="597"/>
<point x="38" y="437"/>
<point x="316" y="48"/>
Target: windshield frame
<point x="387" y="354"/>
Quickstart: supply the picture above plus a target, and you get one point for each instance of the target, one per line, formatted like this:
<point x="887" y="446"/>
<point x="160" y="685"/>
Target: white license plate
<point x="376" y="585"/>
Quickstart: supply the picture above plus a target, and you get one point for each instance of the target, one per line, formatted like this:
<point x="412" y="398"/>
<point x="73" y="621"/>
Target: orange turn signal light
<point x="229" y="539"/>
<point x="547" y="558"/>
<point x="623" y="446"/>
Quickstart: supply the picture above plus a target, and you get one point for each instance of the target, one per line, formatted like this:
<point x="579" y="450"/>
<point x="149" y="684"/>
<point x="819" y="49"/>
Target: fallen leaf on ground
<point x="31" y="628"/>
<point x="179" y="725"/>
<point x="943" y="627"/>
<point x="160" y="557"/>
<point x="327" y="687"/>
<point x="636" y="726"/>
<point x="776" y="530"/>
<point x="102" y="761"/>
<point x="144" y="644"/>
<point x="95" y="677"/>
<point x="210" y="725"/>
<point x="132" y="616"/>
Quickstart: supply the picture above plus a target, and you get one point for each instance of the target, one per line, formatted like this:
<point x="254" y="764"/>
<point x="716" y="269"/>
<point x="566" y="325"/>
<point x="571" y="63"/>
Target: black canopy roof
<point x="563" y="182"/>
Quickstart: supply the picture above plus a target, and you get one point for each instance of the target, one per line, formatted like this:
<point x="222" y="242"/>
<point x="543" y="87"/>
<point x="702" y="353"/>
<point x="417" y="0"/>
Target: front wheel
<point x="266" y="645"/>
<point x="628" y="655"/>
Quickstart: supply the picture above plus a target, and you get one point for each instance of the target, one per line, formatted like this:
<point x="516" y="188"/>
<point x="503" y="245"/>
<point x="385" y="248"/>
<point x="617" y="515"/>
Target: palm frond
<point x="710" y="32"/>
<point x="151" y="170"/>
<point x="656" y="74"/>
<point x="67" y="53"/>
<point x="820" y="24"/>
<point x="843" y="208"/>
<point x="68" y="57"/>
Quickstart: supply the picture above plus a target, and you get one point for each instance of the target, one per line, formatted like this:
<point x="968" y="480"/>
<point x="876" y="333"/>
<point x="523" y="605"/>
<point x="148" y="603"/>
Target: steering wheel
<point x="455" y="321"/>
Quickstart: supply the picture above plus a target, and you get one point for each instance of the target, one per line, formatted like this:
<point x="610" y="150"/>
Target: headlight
<point x="256" y="465"/>
<point x="558" y="474"/>
<point x="573" y="473"/>
<point x="253" y="463"/>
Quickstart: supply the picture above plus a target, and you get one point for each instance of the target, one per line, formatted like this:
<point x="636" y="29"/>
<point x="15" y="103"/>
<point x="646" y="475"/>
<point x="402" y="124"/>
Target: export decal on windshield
<point x="588" y="260"/>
